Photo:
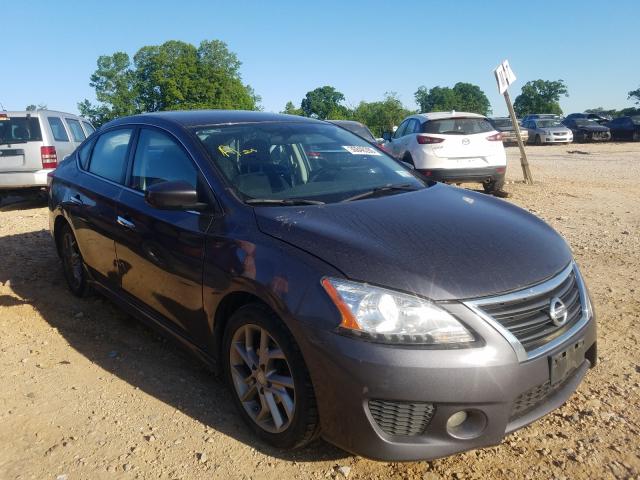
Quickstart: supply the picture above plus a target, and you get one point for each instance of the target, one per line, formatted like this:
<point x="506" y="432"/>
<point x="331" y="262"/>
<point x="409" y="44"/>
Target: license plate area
<point x="563" y="363"/>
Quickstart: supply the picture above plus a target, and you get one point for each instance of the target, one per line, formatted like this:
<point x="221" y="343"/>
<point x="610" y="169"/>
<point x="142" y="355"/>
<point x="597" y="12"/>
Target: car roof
<point x="34" y="113"/>
<point x="443" y="115"/>
<point x="192" y="118"/>
<point x="346" y="122"/>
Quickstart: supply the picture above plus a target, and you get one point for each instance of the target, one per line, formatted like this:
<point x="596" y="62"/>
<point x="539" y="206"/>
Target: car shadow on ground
<point x="22" y="201"/>
<point x="126" y="348"/>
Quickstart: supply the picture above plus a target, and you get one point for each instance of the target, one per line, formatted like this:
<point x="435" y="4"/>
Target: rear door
<point x="20" y="142"/>
<point x="92" y="200"/>
<point x="161" y="252"/>
<point x="61" y="138"/>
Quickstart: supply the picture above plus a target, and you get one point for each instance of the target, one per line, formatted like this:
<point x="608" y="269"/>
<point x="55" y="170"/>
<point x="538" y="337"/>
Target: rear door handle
<point x="125" y="223"/>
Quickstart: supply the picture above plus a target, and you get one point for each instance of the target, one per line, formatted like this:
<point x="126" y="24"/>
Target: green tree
<point x="540" y="96"/>
<point x="323" y="102"/>
<point x="290" y="109"/>
<point x="33" y="108"/>
<point x="635" y="95"/>
<point x="173" y="76"/>
<point x="381" y="116"/>
<point x="464" y="97"/>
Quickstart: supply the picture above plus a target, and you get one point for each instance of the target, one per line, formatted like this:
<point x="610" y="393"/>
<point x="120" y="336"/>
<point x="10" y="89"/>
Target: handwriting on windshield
<point x="227" y="151"/>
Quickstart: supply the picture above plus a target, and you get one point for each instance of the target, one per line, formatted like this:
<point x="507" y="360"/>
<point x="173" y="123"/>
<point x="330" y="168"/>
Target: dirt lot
<point x="88" y="393"/>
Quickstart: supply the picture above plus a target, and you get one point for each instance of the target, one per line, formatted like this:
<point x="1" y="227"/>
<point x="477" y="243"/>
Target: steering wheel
<point x="324" y="174"/>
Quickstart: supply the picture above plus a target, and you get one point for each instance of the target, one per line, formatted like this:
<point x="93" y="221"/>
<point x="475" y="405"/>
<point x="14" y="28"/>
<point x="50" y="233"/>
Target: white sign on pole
<point x="504" y="76"/>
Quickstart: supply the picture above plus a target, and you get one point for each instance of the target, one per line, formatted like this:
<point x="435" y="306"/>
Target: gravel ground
<point x="89" y="393"/>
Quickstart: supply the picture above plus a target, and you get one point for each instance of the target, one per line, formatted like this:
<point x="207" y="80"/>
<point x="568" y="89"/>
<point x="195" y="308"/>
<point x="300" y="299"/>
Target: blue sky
<point x="364" y="49"/>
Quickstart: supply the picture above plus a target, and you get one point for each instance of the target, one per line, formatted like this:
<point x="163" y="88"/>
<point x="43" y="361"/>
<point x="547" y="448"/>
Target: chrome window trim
<point x="544" y="287"/>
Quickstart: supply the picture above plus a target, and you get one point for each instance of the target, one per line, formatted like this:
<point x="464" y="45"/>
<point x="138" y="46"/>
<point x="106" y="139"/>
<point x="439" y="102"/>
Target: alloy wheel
<point x="262" y="378"/>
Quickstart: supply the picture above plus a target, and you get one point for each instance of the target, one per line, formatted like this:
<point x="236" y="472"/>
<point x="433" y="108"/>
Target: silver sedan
<point x="547" y="130"/>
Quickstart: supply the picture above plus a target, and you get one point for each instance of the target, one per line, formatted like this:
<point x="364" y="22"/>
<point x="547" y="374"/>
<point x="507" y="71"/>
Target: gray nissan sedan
<point x="338" y="292"/>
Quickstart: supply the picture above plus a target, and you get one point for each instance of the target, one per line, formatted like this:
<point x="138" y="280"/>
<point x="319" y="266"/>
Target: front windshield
<point x="548" y="123"/>
<point x="295" y="160"/>
<point x="502" y="122"/>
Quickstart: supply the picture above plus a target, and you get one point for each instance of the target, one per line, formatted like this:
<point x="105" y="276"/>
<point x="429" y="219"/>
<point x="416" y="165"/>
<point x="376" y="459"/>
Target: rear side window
<point x="160" y="159"/>
<point x="19" y="129"/>
<point x="83" y="153"/>
<point x="76" y="130"/>
<point x="57" y="128"/>
<point x="457" y="126"/>
<point x="88" y="128"/>
<point x="110" y="154"/>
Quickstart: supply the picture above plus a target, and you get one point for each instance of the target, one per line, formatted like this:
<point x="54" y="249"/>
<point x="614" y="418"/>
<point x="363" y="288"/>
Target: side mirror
<point x="177" y="195"/>
<point x="386" y="136"/>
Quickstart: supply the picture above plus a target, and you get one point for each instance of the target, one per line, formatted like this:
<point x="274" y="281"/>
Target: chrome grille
<point x="528" y="318"/>
<point x="401" y="418"/>
<point x="523" y="317"/>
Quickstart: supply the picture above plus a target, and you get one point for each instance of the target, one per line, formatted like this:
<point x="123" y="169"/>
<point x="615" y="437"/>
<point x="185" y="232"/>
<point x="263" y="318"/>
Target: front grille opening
<point x="529" y="320"/>
<point x="401" y="418"/>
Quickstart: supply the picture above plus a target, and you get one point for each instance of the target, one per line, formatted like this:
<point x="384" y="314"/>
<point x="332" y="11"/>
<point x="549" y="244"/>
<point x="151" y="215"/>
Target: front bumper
<point x="460" y="175"/>
<point x="14" y="180"/>
<point x="556" y="139"/>
<point x="488" y="382"/>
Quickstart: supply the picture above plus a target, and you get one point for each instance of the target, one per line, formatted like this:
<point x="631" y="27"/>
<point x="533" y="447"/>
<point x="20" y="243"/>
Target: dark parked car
<point x="625" y="128"/>
<point x="587" y="130"/>
<point x="358" y="128"/>
<point x="349" y="298"/>
<point x="601" y="119"/>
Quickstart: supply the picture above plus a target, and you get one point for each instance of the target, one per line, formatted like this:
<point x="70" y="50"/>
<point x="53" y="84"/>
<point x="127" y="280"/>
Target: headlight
<point x="547" y="132"/>
<point x="393" y="317"/>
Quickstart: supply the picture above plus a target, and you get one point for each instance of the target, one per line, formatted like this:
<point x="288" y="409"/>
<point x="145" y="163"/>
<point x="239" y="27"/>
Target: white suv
<point x="451" y="147"/>
<point x="32" y="142"/>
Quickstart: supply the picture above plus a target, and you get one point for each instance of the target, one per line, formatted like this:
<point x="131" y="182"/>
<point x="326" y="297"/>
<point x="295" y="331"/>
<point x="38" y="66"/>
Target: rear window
<point x="59" y="133"/>
<point x="76" y="130"/>
<point x="457" y="126"/>
<point x="19" y="129"/>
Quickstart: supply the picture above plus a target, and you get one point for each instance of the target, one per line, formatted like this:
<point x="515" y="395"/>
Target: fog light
<point x="456" y="419"/>
<point x="466" y="424"/>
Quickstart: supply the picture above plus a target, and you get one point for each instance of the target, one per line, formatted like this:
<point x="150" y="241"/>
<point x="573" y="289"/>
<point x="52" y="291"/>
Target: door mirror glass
<point x="176" y="195"/>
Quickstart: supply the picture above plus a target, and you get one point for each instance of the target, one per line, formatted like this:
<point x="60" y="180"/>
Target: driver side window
<point x="400" y="131"/>
<point x="159" y="159"/>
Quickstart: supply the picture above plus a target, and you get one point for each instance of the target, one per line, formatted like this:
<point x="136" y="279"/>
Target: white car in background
<point x="451" y="147"/>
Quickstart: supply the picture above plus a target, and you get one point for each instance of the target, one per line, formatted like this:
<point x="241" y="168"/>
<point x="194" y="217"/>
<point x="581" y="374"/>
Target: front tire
<point x="72" y="263"/>
<point x="538" y="140"/>
<point x="269" y="380"/>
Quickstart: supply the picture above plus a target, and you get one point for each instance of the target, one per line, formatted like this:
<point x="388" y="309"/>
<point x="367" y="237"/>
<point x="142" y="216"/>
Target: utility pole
<point x="505" y="77"/>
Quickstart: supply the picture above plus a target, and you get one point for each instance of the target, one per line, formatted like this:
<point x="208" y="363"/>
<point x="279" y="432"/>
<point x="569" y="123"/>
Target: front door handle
<point x="125" y="223"/>
<point x="76" y="199"/>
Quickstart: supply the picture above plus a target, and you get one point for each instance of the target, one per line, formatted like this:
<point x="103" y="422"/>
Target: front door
<point x="160" y="252"/>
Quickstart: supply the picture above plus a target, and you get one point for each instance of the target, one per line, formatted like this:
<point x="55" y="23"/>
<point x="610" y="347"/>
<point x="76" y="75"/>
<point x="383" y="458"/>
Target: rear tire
<point x="269" y="380"/>
<point x="493" y="187"/>
<point x="72" y="263"/>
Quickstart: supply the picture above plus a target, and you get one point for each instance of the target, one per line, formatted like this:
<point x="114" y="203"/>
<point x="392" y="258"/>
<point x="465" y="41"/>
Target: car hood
<point x="441" y="242"/>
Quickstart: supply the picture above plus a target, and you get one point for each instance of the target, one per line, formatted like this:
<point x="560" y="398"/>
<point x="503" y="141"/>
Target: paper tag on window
<point x="355" y="150"/>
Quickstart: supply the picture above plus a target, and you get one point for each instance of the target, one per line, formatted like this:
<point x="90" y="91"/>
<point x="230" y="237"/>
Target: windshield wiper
<point x="379" y="190"/>
<point x="282" y="201"/>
